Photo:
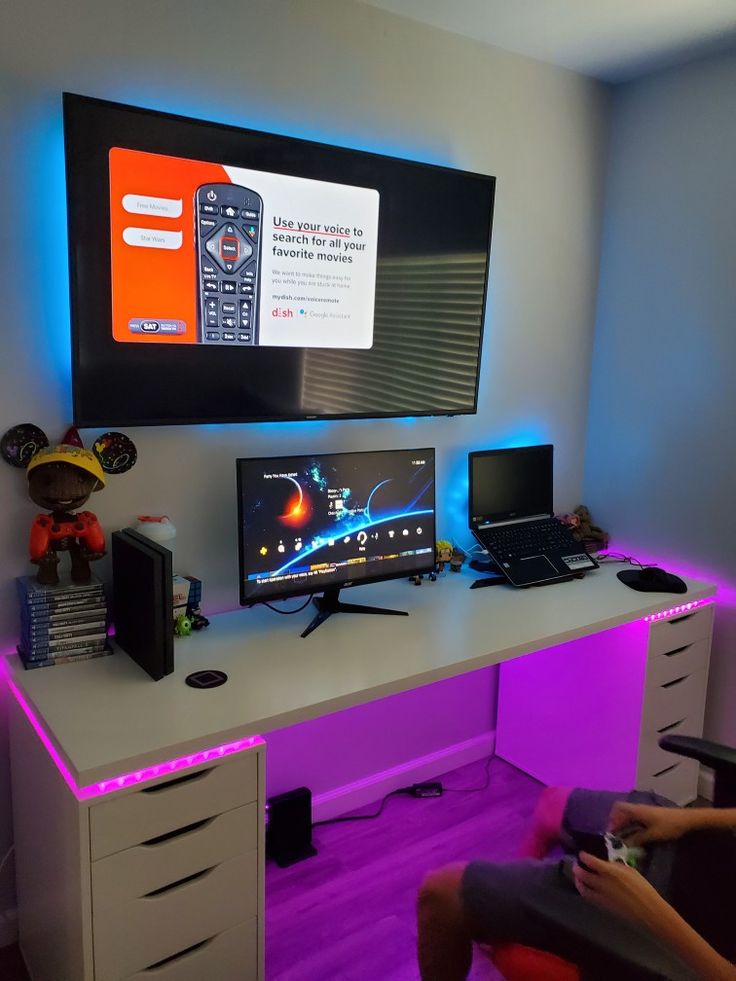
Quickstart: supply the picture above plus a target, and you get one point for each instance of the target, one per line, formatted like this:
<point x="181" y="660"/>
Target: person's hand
<point x="655" y="823"/>
<point x="619" y="889"/>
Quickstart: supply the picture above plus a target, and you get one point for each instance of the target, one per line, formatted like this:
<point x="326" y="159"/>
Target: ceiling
<point x="613" y="40"/>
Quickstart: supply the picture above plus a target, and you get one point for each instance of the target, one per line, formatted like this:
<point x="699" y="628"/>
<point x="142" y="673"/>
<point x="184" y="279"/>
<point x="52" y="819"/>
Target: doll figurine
<point x="60" y="480"/>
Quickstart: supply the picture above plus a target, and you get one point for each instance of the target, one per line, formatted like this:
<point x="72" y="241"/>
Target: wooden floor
<point x="348" y="913"/>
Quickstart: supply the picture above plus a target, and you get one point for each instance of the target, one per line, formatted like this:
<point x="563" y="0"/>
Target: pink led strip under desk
<point x="137" y="776"/>
<point x="677" y="611"/>
<point x="215" y="752"/>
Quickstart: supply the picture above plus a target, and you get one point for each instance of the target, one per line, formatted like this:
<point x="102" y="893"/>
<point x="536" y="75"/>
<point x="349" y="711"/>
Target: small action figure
<point x="61" y="479"/>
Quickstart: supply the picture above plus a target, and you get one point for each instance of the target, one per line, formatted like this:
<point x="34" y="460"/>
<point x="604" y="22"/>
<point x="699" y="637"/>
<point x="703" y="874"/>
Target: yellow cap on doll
<point x="76" y="456"/>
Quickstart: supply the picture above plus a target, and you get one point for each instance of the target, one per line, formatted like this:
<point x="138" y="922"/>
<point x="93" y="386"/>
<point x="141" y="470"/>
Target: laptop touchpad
<point x="537" y="567"/>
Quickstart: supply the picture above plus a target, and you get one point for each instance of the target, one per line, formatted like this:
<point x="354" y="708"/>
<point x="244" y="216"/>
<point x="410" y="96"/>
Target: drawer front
<point x="673" y="700"/>
<point x="653" y="759"/>
<point x="679" y="784"/>
<point x="133" y="936"/>
<point x="130" y="819"/>
<point x="668" y="666"/>
<point x="139" y="870"/>
<point x="666" y="635"/>
<point x="230" y="956"/>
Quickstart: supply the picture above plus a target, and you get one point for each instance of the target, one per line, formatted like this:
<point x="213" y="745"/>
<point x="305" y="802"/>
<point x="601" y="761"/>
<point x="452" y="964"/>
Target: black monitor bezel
<point x="301" y="591"/>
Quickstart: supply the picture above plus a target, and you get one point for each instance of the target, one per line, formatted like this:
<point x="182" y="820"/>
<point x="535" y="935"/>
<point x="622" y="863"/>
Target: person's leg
<point x="444" y="942"/>
<point x="547" y="822"/>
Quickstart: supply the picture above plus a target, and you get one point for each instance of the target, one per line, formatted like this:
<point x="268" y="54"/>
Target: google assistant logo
<point x="302" y="312"/>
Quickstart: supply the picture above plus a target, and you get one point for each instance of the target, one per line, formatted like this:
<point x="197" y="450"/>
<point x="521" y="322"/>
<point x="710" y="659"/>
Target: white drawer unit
<point x="230" y="954"/>
<point x="681" y="629"/>
<point x="153" y="864"/>
<point x="170" y="804"/>
<point x="674" y="701"/>
<point x="161" y="881"/>
<point x="142" y="932"/>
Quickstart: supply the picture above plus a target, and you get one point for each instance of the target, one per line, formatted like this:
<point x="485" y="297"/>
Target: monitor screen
<point x="507" y="484"/>
<point x="309" y="523"/>
<point x="220" y="274"/>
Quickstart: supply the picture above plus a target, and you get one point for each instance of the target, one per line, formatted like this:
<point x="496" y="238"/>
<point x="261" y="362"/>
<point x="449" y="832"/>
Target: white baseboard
<point x="373" y="788"/>
<point x="705" y="783"/>
<point x="8" y="927"/>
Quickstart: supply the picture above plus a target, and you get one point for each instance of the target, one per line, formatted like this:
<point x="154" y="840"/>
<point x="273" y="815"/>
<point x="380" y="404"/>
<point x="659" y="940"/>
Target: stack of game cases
<point x="62" y="623"/>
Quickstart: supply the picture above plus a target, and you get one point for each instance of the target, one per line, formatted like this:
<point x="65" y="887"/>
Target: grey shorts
<point x="535" y="903"/>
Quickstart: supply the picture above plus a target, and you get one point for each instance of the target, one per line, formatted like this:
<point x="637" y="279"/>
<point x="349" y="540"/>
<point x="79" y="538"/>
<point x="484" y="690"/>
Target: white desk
<point x="105" y="718"/>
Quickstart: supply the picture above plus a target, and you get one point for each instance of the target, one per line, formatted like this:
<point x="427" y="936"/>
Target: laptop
<point x="510" y="513"/>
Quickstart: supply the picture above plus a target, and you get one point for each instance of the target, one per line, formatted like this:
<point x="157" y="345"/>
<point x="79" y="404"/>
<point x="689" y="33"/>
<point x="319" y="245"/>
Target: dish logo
<point x="282" y="312"/>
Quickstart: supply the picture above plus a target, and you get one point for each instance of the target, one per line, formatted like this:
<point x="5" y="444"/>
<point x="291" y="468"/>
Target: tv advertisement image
<point x="203" y="253"/>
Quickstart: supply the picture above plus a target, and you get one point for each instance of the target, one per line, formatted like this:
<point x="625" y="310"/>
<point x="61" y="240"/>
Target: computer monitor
<point x="322" y="522"/>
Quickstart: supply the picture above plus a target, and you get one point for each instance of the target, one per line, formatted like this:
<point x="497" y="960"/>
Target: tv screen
<point x="318" y="523"/>
<point x="220" y="274"/>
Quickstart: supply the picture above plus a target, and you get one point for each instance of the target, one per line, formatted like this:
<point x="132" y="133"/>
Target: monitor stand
<point x="330" y="603"/>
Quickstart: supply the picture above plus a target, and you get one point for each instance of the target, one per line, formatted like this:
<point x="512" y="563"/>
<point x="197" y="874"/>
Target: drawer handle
<point x="677" y="681"/>
<point x="155" y="968"/>
<point x="156" y="893"/>
<point x="685" y="616"/>
<point x="677" y="650"/>
<point x="187" y="778"/>
<point x="666" y="770"/>
<point x="670" y="727"/>
<point x="160" y="839"/>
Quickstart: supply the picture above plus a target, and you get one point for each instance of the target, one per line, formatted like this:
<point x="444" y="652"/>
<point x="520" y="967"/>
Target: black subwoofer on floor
<point x="289" y="830"/>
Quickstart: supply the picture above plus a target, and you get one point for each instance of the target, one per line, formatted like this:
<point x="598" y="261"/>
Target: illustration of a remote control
<point x="228" y="236"/>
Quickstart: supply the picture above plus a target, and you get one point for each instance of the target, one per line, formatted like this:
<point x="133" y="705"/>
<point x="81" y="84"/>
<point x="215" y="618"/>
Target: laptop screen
<point x="506" y="485"/>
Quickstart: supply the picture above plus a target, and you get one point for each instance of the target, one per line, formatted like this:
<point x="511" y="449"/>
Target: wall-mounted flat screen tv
<point x="220" y="274"/>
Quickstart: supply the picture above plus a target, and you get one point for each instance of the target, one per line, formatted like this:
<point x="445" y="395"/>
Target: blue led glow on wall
<point x="42" y="182"/>
<point x="454" y="501"/>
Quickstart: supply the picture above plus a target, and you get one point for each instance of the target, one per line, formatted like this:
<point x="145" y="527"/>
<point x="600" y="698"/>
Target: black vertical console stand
<point x="330" y="603"/>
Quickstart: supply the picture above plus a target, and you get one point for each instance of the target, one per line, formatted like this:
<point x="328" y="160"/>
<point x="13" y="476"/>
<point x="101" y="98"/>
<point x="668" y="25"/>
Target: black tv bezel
<point x="301" y="591"/>
<point x="75" y="234"/>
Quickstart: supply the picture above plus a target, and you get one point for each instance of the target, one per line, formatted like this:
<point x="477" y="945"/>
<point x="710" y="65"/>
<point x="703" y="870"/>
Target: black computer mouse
<point x="652" y="579"/>
<point x="652" y="575"/>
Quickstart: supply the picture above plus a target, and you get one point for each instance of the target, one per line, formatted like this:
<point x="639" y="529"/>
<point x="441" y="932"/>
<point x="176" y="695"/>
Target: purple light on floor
<point x="105" y="787"/>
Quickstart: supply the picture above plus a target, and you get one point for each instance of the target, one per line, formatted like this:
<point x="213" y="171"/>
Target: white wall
<point x="661" y="455"/>
<point x="342" y="73"/>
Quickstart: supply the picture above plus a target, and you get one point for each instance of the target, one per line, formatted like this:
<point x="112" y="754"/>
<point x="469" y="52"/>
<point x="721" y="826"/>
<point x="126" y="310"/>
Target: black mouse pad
<point x="666" y="583"/>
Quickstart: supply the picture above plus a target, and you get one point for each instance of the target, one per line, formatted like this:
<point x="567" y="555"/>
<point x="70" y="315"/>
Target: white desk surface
<point x="107" y="717"/>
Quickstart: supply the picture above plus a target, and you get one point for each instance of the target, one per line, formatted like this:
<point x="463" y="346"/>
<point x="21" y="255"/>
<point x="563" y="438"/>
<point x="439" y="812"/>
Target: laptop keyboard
<point x="529" y="538"/>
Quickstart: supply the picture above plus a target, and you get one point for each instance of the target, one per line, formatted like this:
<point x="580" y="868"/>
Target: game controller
<point x="84" y="528"/>
<point x="608" y="847"/>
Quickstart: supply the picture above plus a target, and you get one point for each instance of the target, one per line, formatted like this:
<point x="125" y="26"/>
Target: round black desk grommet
<point x="208" y="678"/>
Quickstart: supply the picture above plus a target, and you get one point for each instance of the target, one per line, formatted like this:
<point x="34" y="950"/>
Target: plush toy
<point x="60" y="480"/>
<point x="456" y="560"/>
<point x="583" y="529"/>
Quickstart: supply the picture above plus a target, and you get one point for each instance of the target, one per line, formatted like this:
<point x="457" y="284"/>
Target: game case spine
<point x="64" y="620"/>
<point x="29" y="663"/>
<point x="34" y="655"/>
<point x="30" y="590"/>
<point x="38" y="609"/>
<point x="64" y="631"/>
<point x="48" y="649"/>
